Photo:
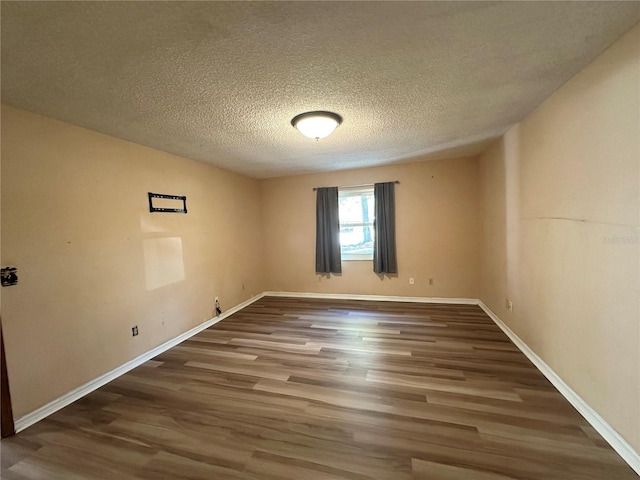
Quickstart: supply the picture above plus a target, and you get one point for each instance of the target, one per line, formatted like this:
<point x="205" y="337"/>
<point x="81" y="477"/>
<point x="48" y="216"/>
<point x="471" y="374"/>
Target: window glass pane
<point x="356" y="207"/>
<point x="357" y="240"/>
<point x="356" y="222"/>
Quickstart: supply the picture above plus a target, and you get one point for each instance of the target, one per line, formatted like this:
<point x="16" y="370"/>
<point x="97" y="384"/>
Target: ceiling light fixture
<point x="318" y="124"/>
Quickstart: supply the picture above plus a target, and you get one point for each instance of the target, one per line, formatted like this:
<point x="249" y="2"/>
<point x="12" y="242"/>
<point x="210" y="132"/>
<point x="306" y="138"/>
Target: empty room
<point x="320" y="240"/>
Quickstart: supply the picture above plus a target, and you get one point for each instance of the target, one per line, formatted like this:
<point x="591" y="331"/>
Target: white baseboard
<point x="614" y="439"/>
<point x="77" y="393"/>
<point x="619" y="444"/>
<point x="376" y="298"/>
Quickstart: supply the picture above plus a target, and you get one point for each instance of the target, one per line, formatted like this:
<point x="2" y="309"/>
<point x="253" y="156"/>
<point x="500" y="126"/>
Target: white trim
<point x="376" y="298"/>
<point x="356" y="257"/>
<point x="619" y="444"/>
<point x="77" y="393"/>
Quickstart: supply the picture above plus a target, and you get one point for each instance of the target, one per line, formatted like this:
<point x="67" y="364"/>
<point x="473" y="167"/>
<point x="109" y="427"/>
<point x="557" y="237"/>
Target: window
<point x="356" y="213"/>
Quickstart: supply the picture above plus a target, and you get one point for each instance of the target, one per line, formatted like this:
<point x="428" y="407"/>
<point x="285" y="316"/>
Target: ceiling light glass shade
<point x="316" y="124"/>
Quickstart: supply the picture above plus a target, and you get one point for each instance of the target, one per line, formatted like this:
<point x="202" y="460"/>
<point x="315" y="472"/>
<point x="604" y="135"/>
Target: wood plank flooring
<point x="323" y="389"/>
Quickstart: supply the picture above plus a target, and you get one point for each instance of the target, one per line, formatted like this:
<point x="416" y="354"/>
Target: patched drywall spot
<point x="163" y="261"/>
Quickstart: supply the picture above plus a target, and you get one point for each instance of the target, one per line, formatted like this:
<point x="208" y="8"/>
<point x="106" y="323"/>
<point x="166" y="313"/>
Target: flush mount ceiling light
<point x="317" y="124"/>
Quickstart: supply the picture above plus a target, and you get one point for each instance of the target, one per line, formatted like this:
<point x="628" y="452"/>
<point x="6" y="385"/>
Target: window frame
<point x="356" y="191"/>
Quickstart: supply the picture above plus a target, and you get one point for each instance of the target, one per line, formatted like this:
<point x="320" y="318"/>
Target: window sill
<point x="356" y="258"/>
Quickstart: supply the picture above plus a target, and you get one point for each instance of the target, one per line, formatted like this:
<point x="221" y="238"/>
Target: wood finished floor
<point x="323" y="389"/>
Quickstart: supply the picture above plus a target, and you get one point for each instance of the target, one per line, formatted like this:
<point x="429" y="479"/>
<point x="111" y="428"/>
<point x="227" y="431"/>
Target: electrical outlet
<point x="218" y="308"/>
<point x="431" y="281"/>
<point x="134" y="331"/>
<point x="509" y="305"/>
<point x="216" y="300"/>
<point x="412" y="280"/>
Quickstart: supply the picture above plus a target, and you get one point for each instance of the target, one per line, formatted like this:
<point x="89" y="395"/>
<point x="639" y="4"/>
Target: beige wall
<point x="437" y="222"/>
<point x="93" y="261"/>
<point x="560" y="196"/>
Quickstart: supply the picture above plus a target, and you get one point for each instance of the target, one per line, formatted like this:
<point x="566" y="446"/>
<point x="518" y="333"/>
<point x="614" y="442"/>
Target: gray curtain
<point x="327" y="231"/>
<point x="384" y="247"/>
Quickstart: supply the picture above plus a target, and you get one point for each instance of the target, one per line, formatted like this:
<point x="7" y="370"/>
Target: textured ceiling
<point x="220" y="81"/>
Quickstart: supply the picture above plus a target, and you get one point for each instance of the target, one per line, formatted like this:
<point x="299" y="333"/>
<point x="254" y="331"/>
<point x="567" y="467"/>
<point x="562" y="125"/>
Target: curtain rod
<point x="358" y="186"/>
